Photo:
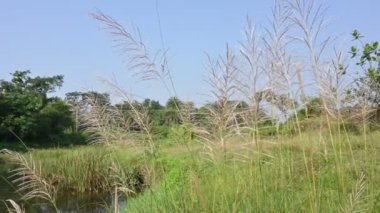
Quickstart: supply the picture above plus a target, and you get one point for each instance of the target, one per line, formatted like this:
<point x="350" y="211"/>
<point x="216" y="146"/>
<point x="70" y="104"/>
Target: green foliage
<point x="368" y="56"/>
<point x="172" y="112"/>
<point x="151" y="104"/>
<point x="27" y="111"/>
<point x="316" y="172"/>
<point x="173" y="103"/>
<point x="294" y="175"/>
<point x="181" y="133"/>
<point x="89" y="169"/>
<point x="53" y="120"/>
<point x="161" y="131"/>
<point x="155" y="112"/>
<point x="313" y="108"/>
<point x="171" y="116"/>
<point x="175" y="172"/>
<point x="79" y="98"/>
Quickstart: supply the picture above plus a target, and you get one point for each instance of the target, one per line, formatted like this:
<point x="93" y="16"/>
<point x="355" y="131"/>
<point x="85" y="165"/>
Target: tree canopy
<point x="26" y="110"/>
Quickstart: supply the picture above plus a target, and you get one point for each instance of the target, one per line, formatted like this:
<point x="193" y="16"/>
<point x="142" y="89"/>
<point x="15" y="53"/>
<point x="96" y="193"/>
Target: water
<point x="67" y="203"/>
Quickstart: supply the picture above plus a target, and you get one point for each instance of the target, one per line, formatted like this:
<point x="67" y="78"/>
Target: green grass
<point x="310" y="172"/>
<point x="87" y="169"/>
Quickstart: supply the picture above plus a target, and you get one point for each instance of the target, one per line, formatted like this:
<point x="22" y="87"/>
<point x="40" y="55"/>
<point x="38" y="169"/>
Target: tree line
<point x="29" y="114"/>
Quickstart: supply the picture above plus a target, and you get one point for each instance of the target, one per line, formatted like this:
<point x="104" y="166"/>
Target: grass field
<point x="310" y="172"/>
<point x="286" y="127"/>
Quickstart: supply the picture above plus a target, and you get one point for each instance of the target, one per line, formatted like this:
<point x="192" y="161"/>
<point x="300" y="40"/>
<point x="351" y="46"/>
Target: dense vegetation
<point x="27" y="111"/>
<point x="30" y="115"/>
<point x="269" y="140"/>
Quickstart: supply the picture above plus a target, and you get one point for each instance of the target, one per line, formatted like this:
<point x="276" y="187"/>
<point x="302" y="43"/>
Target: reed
<point x="311" y="161"/>
<point x="13" y="207"/>
<point x="28" y="178"/>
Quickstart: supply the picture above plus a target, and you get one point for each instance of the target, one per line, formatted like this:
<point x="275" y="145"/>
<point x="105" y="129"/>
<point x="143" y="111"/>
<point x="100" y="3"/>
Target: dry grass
<point x="131" y="46"/>
<point x="285" y="172"/>
<point x="357" y="196"/>
<point x="222" y="114"/>
<point x="103" y="123"/>
<point x="139" y="116"/>
<point x="13" y="207"/>
<point x="29" y="180"/>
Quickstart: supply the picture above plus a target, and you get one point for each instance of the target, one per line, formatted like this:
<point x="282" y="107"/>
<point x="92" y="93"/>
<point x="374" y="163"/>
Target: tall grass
<point x="13" y="207"/>
<point x="291" y="176"/>
<point x="325" y="173"/>
<point x="29" y="181"/>
<point x="91" y="170"/>
<point x="46" y="175"/>
<point x="312" y="161"/>
<point x="319" y="171"/>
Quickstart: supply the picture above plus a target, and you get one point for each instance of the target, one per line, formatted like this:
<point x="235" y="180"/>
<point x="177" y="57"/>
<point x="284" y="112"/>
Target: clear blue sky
<point x="59" y="37"/>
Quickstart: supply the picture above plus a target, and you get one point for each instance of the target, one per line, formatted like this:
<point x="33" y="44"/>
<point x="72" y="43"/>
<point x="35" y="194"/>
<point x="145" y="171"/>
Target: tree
<point x="53" y="120"/>
<point x="368" y="56"/>
<point x="82" y="102"/>
<point x="173" y="103"/>
<point x="172" y="114"/>
<point x="25" y="105"/>
<point x="151" y="104"/>
<point x="155" y="111"/>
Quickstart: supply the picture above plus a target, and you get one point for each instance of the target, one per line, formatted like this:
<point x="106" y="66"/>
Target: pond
<point x="67" y="203"/>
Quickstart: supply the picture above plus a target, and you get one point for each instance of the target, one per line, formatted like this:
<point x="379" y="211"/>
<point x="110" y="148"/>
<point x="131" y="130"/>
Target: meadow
<point x="310" y="172"/>
<point x="288" y="128"/>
